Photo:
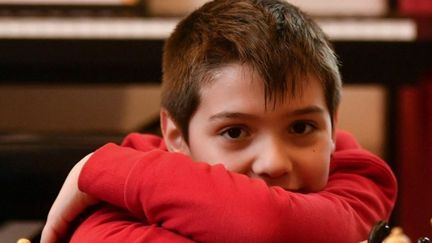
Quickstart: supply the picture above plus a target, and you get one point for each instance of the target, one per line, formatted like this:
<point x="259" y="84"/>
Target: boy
<point x="250" y="88"/>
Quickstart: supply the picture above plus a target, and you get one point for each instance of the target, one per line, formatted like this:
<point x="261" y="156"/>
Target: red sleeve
<point x="110" y="224"/>
<point x="345" y="140"/>
<point x="210" y="204"/>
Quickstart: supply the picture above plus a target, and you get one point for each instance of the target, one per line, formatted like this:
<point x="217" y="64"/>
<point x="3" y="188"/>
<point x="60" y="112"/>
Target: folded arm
<point x="111" y="224"/>
<point x="210" y="204"/>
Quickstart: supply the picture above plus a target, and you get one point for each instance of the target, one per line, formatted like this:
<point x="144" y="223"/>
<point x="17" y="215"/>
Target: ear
<point x="335" y="125"/>
<point x="172" y="134"/>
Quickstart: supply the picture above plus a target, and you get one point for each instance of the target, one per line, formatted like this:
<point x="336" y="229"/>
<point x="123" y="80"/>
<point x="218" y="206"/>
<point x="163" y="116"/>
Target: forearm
<point x="213" y="205"/>
<point x="110" y="224"/>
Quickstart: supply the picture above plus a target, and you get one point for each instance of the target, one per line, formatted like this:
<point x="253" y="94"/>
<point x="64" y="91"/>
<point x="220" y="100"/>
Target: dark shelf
<point x="80" y="61"/>
<point x="384" y="62"/>
<point x="135" y="61"/>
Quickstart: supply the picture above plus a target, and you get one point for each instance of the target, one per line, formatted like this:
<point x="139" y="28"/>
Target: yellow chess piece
<point x="397" y="236"/>
<point x="23" y="241"/>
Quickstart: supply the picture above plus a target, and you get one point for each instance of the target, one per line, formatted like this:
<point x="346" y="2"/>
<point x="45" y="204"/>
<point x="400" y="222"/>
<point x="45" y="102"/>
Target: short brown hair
<point x="274" y="37"/>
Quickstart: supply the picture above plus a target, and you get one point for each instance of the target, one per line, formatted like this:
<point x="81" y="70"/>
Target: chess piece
<point x="397" y="236"/>
<point x="379" y="232"/>
<point x="424" y="240"/>
<point x="22" y="240"/>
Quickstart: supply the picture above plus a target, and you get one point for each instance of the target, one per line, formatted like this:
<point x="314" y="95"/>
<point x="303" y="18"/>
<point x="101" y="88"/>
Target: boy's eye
<point x="301" y="127"/>
<point x="235" y="133"/>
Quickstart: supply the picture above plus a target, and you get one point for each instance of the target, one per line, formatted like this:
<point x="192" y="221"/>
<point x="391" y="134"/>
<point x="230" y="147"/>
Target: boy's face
<point x="288" y="146"/>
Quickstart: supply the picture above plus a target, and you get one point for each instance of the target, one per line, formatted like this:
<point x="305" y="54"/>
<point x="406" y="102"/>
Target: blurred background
<point x="75" y="74"/>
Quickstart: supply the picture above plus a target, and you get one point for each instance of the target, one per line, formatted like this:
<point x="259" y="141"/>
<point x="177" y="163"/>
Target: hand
<point x="69" y="203"/>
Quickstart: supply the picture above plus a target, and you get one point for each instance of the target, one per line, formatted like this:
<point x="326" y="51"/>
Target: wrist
<point x="85" y="199"/>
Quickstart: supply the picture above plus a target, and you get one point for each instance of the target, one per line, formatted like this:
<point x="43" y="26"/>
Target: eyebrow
<point x="307" y="110"/>
<point x="231" y="115"/>
<point x="240" y="115"/>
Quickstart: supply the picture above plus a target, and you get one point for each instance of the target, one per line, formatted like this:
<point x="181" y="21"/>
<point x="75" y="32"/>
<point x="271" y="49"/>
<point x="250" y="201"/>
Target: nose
<point x="272" y="160"/>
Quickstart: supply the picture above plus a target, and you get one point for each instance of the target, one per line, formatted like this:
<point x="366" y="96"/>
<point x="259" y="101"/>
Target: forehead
<point x="235" y="81"/>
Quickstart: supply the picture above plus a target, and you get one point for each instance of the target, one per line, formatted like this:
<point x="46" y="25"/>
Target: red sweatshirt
<point x="158" y="196"/>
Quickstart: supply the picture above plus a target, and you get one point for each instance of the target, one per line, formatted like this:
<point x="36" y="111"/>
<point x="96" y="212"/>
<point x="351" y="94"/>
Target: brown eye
<point x="301" y="128"/>
<point x="234" y="133"/>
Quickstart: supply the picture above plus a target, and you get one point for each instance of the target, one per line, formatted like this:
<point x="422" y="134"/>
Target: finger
<point x="55" y="227"/>
<point x="49" y="235"/>
<point x="70" y="202"/>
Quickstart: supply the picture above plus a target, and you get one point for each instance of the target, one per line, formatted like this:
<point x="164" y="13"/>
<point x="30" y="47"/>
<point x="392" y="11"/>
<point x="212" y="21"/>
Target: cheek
<point x="199" y="146"/>
<point x="232" y="161"/>
<point x="205" y="154"/>
<point x="317" y="166"/>
<point x="206" y="149"/>
<point x="238" y="164"/>
<point x="213" y="154"/>
<point x="315" y="169"/>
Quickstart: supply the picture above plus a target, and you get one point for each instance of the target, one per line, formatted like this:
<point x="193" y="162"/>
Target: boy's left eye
<point x="301" y="127"/>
